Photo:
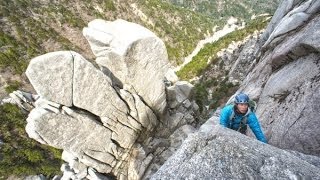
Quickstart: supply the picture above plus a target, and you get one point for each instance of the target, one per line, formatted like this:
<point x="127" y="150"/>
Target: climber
<point x="238" y="115"/>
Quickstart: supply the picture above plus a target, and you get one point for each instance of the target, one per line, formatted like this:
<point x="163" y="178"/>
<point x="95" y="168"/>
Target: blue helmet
<point x="241" y="98"/>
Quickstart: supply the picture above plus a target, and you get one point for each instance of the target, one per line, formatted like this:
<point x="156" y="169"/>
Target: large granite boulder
<point x="55" y="83"/>
<point x="93" y="148"/>
<point x="134" y="55"/>
<point x="102" y="123"/>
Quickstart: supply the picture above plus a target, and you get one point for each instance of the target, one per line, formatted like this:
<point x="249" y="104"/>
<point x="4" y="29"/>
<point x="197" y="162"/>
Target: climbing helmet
<point x="241" y="98"/>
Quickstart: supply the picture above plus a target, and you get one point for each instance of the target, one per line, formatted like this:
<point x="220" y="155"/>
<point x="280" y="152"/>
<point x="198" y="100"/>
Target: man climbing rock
<point x="238" y="115"/>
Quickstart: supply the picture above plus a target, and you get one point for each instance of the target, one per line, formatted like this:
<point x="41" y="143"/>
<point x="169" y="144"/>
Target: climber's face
<point x="242" y="107"/>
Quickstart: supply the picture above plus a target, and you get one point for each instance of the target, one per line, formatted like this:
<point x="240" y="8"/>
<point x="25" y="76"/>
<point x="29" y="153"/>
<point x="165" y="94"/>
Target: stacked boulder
<point x="101" y="115"/>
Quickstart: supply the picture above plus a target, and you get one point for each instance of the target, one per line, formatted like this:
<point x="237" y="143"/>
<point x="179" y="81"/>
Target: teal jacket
<point x="252" y="121"/>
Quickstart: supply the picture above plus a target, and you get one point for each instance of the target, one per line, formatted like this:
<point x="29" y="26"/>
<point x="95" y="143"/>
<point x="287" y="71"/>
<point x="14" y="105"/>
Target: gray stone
<point x="94" y="175"/>
<point x="291" y="114"/>
<point x="68" y="157"/>
<point x="302" y="43"/>
<point x="282" y="10"/>
<point x="291" y="76"/>
<point x="140" y="162"/>
<point x="36" y="177"/>
<point x="288" y="24"/>
<point x="31" y="127"/>
<point x="179" y="93"/>
<point x="112" y="126"/>
<point x="73" y="162"/>
<point x="299" y="13"/>
<point x="67" y="172"/>
<point x="51" y="76"/>
<point x="93" y="91"/>
<point x="175" y="119"/>
<point x="137" y="58"/>
<point x="165" y="148"/>
<point x="180" y="135"/>
<point x="244" y="61"/>
<point x="139" y="111"/>
<point x="93" y="148"/>
<point x="309" y="158"/>
<point x="106" y="36"/>
<point x="221" y="153"/>
<point x="121" y="133"/>
<point x="116" y="115"/>
<point x="171" y="96"/>
<point x="171" y="76"/>
<point x="23" y="99"/>
<point x="48" y="105"/>
<point x="81" y="175"/>
<point x="56" y="177"/>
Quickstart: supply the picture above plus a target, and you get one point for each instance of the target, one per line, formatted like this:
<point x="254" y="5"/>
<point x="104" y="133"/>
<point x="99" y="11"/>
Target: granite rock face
<point x="215" y="152"/>
<point x="285" y="82"/>
<point x="111" y="120"/>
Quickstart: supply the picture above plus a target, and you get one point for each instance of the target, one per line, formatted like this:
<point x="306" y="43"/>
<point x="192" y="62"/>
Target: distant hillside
<point x="31" y="28"/>
<point x="222" y="9"/>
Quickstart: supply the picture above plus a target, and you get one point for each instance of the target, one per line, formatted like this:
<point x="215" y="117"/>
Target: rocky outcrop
<point x="239" y="58"/>
<point x="136" y="57"/>
<point x="285" y="83"/>
<point x="215" y="152"/>
<point x="286" y="80"/>
<point x="232" y="66"/>
<point x="111" y="121"/>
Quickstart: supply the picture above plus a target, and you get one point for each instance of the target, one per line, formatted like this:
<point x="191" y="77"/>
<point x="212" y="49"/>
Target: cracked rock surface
<point x="106" y="118"/>
<point x="286" y="82"/>
<point x="215" y="152"/>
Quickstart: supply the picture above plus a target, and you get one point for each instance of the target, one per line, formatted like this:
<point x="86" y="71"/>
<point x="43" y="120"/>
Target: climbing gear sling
<point x="243" y="124"/>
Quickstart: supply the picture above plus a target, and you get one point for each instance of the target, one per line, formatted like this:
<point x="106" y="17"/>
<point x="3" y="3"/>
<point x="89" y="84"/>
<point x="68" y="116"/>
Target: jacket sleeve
<point x="224" y="116"/>
<point x="255" y="127"/>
